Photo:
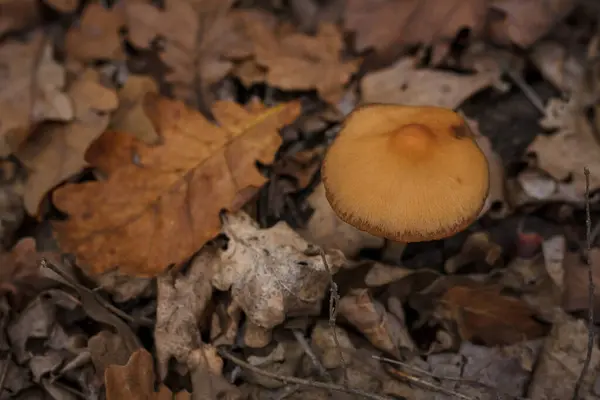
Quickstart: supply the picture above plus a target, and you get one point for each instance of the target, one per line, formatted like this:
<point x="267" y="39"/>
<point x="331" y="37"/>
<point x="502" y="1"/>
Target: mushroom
<point x="406" y="173"/>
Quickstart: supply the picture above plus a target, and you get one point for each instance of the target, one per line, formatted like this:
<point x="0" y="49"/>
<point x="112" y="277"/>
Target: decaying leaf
<point x="96" y="36"/>
<point x="58" y="151"/>
<point x="561" y="361"/>
<point x="159" y="210"/>
<point x="483" y="313"/>
<point x="564" y="154"/>
<point x="523" y="22"/>
<point x="382" y="24"/>
<point x="182" y="301"/>
<point x="31" y="90"/>
<point x="325" y="342"/>
<point x="135" y="380"/>
<point x="405" y="83"/>
<point x="383" y="329"/>
<point x="272" y="273"/>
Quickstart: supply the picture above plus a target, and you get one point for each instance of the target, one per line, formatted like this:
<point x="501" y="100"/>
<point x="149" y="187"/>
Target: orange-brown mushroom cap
<point x="406" y="173"/>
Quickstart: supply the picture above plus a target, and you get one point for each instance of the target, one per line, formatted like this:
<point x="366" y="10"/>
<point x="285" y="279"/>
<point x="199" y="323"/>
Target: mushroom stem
<point x="392" y="251"/>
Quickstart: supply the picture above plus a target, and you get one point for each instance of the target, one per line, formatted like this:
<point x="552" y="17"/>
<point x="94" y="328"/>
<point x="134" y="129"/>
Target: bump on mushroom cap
<point x="380" y="183"/>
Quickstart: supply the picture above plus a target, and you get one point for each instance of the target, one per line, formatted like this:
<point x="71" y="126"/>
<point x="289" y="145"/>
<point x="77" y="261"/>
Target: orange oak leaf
<point x="159" y="204"/>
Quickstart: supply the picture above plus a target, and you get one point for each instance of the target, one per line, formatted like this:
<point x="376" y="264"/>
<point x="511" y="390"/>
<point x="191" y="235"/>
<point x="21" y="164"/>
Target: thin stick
<point x="449" y="378"/>
<point x="588" y="234"/>
<point x="424" y="384"/>
<point x="299" y="381"/>
<point x="334" y="300"/>
<point x="527" y="90"/>
<point x="299" y="335"/>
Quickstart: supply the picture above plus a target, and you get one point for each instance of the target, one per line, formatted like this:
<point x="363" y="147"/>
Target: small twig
<point x="449" y="378"/>
<point x="588" y="234"/>
<point x="299" y="335"/>
<point x="334" y="300"/>
<point x="427" y="385"/>
<point x="300" y="381"/>
<point x="527" y="90"/>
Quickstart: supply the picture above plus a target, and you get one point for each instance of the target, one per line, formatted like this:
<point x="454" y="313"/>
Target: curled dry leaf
<point x="383" y="24"/>
<point x="483" y="313"/>
<point x="496" y="204"/>
<point x="58" y="151"/>
<point x="135" y="380"/>
<point x="272" y="273"/>
<point x="159" y="210"/>
<point x="383" y="329"/>
<point x="523" y="22"/>
<point x="405" y="83"/>
<point x="96" y="36"/>
<point x="31" y="90"/>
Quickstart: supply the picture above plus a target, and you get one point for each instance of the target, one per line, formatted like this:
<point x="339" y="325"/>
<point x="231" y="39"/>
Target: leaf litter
<point x="165" y="233"/>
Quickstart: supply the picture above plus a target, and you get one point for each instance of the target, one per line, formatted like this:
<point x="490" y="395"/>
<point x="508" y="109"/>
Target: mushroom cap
<point x="406" y="173"/>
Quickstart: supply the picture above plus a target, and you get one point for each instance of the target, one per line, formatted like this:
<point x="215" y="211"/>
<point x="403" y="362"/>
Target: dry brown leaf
<point x="291" y="60"/>
<point x="195" y="34"/>
<point x="484" y="314"/>
<point x="382" y="24"/>
<point x="478" y="249"/>
<point x="576" y="281"/>
<point x="18" y="14"/>
<point x="159" y="210"/>
<point x="384" y="330"/>
<point x="303" y="62"/>
<point x="58" y="151"/>
<point x="404" y="83"/>
<point x="130" y="117"/>
<point x="561" y="362"/>
<point x="181" y="303"/>
<point x="96" y="36"/>
<point x="63" y="6"/>
<point x="523" y="22"/>
<point x="272" y="273"/>
<point x="135" y="380"/>
<point x="20" y="266"/>
<point x="106" y="349"/>
<point x="30" y="91"/>
<point x="564" y="154"/>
